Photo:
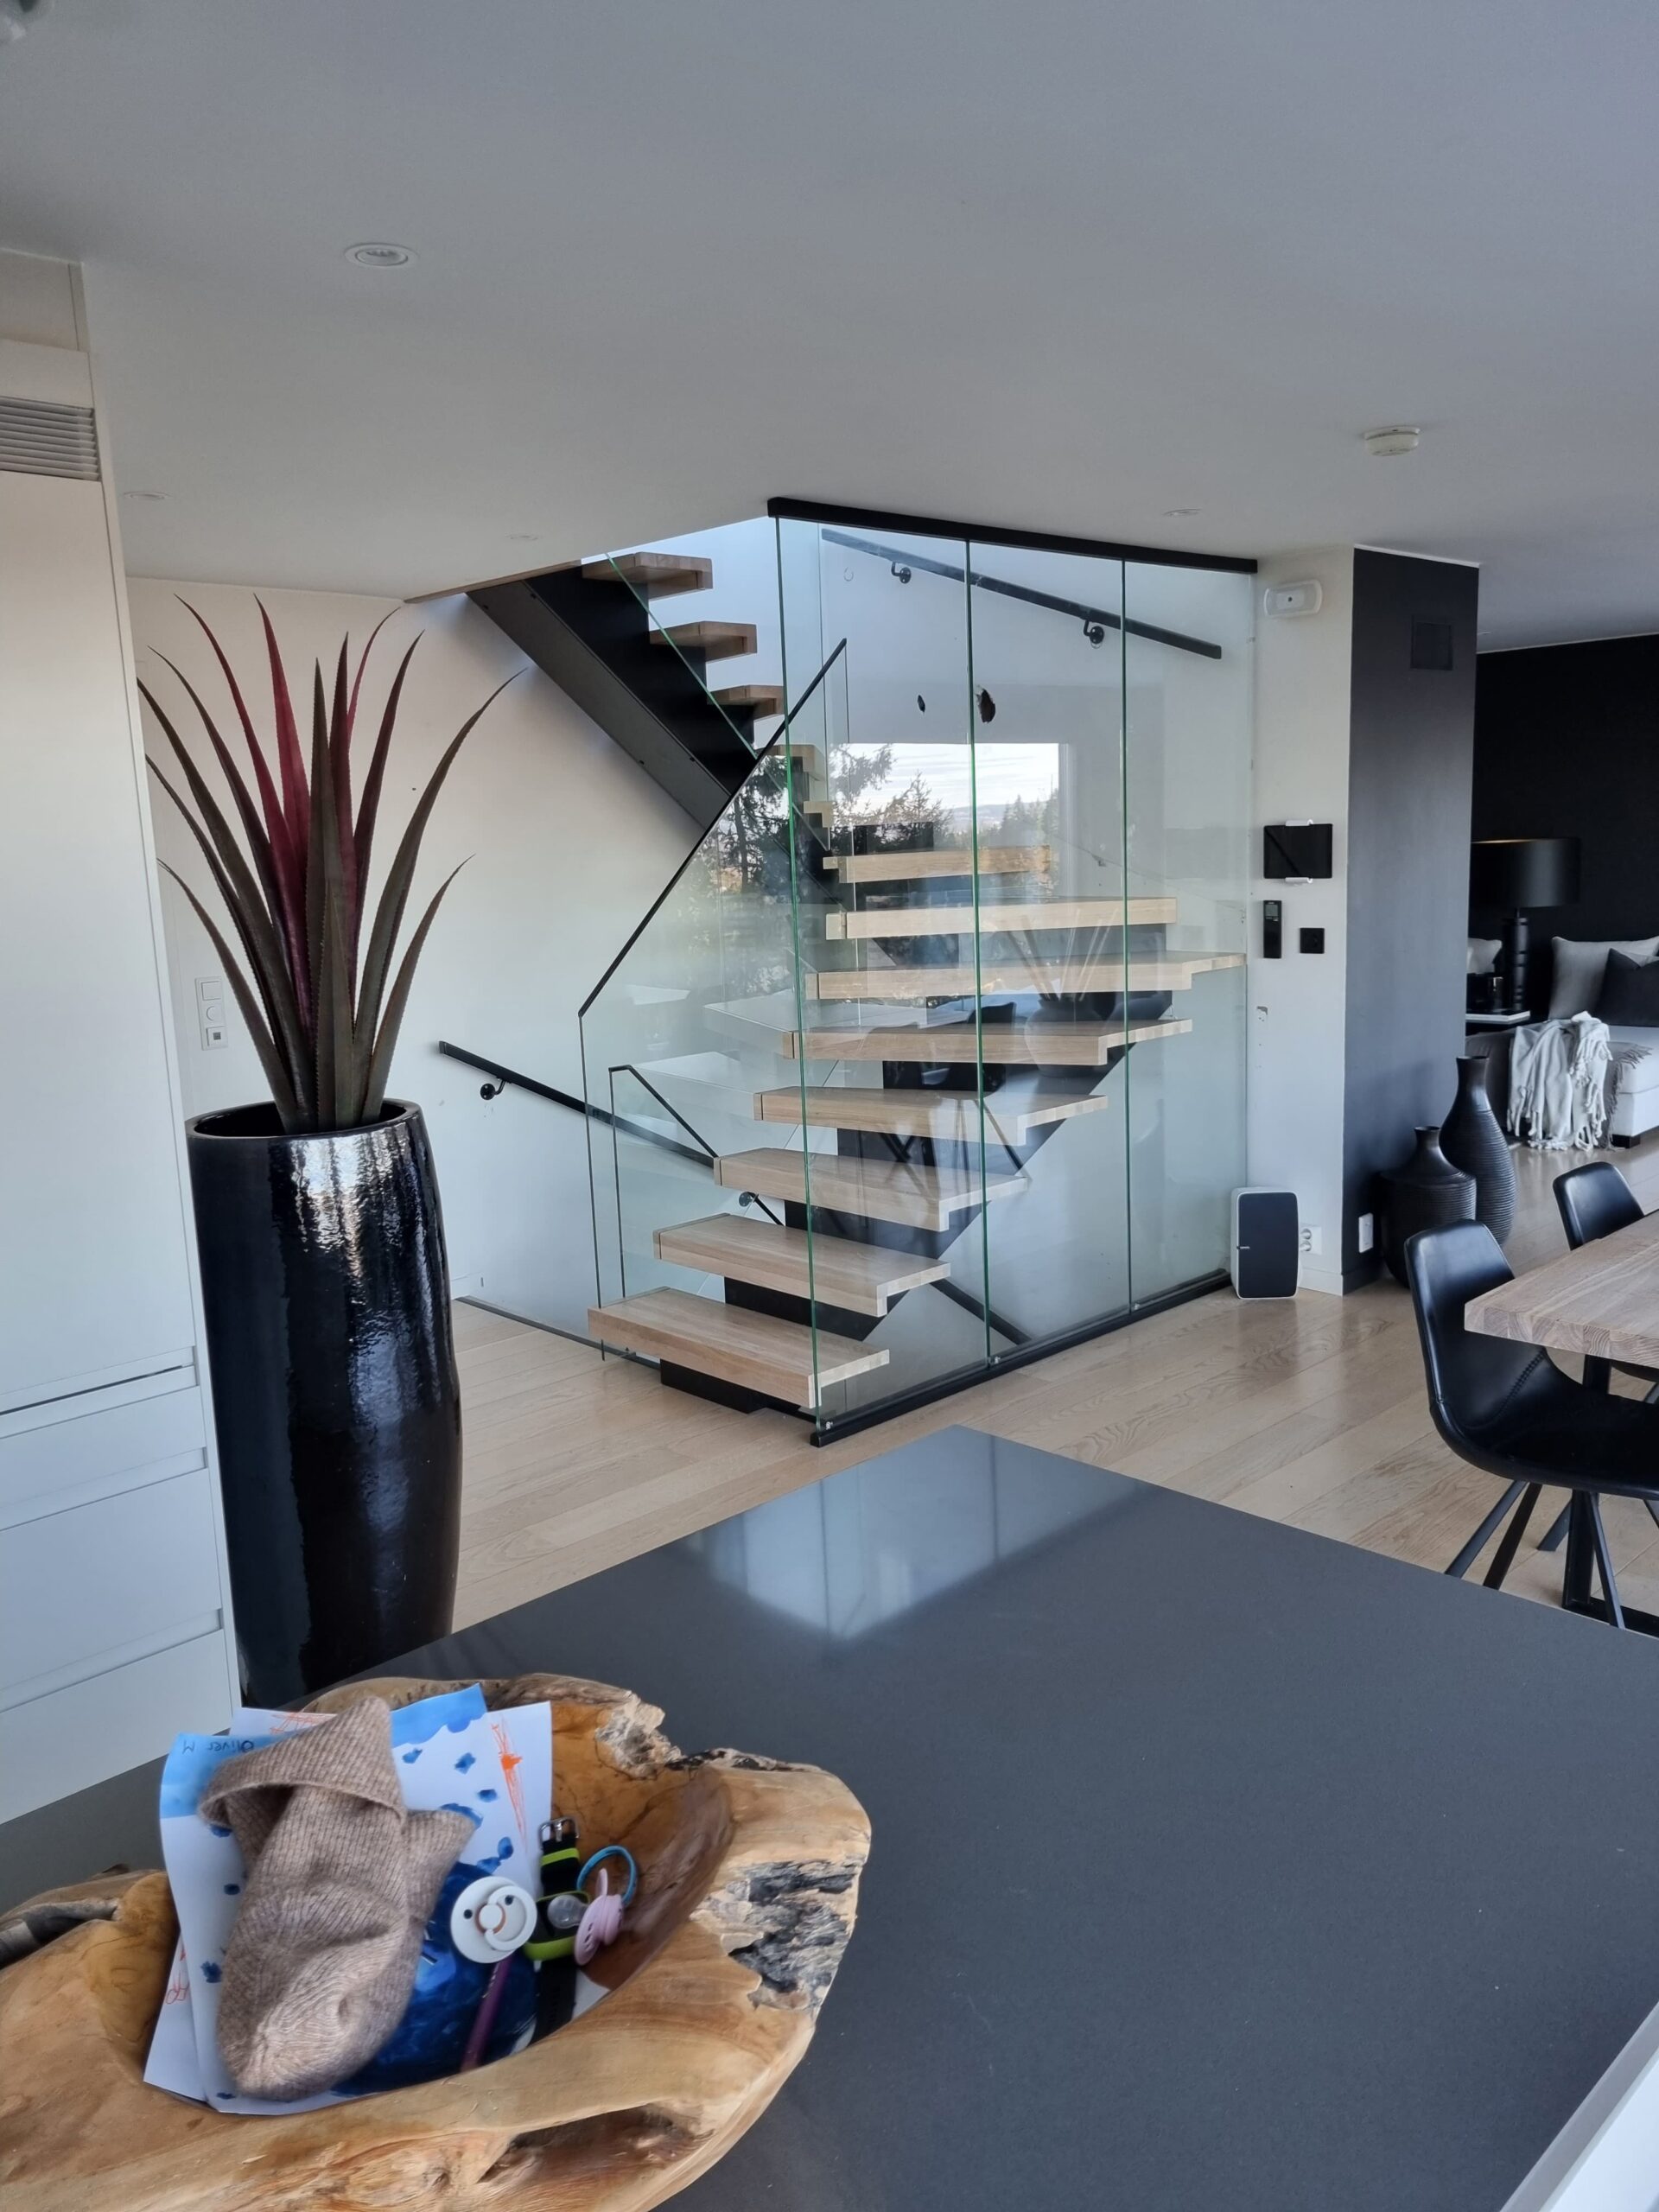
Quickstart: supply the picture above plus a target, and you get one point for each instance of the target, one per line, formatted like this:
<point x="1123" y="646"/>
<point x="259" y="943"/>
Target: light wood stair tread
<point x="949" y="1114"/>
<point x="759" y="1351"/>
<point x="750" y="698"/>
<point x="879" y="1190"/>
<point x="1056" y="978"/>
<point x="908" y="867"/>
<point x="1032" y="1044"/>
<point x="1004" y="914"/>
<point x="862" y="1278"/>
<point x="660" y="573"/>
<point x="714" y="640"/>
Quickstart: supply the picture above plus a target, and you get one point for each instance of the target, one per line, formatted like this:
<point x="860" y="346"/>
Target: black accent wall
<point x="1567" y="745"/>
<point x="1411" y="747"/>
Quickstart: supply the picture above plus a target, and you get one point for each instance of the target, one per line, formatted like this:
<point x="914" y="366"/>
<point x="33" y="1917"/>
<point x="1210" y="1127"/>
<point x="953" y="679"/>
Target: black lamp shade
<point x="1515" y="872"/>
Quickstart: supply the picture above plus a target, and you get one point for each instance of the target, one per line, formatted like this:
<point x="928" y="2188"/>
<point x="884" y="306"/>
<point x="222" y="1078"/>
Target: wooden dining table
<point x="1601" y="1301"/>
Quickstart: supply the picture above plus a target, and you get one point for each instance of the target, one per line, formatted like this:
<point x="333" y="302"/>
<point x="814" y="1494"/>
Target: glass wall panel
<point x="934" y="1050"/>
<point x="1057" y="940"/>
<point x="898" y="1106"/>
<point x="1188" y="636"/>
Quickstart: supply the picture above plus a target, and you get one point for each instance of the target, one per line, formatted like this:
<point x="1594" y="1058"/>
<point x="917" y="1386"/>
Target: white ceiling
<point x="1052" y="263"/>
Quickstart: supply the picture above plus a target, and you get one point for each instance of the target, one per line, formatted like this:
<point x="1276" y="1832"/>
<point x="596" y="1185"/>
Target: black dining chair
<point x="1505" y="1408"/>
<point x="1594" y="1201"/>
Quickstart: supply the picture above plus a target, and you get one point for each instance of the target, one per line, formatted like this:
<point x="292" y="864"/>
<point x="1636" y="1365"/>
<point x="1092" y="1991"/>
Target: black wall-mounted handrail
<point x="1090" y="617"/>
<point x="651" y="913"/>
<point x="504" y="1075"/>
<point x="996" y="533"/>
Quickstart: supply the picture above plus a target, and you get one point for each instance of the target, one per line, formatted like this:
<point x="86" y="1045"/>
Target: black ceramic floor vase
<point x="1425" y="1193"/>
<point x="336" y="1400"/>
<point x="1472" y="1139"/>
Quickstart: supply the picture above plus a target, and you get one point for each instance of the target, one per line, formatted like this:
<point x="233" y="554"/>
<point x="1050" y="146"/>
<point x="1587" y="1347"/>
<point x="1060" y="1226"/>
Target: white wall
<point x="569" y="842"/>
<point x="1297" y="1007"/>
<point x="113" y="1612"/>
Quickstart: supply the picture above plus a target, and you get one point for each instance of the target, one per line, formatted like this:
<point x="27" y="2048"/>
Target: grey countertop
<point x="1216" y="1865"/>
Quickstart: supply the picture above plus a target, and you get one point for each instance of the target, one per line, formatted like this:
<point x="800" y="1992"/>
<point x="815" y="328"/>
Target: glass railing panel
<point x="1055" y="937"/>
<point x="1187" y="658"/>
<point x="888" y="977"/>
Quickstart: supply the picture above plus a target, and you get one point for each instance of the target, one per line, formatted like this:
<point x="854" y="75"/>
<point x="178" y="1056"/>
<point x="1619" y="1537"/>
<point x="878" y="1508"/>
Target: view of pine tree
<point x="857" y="774"/>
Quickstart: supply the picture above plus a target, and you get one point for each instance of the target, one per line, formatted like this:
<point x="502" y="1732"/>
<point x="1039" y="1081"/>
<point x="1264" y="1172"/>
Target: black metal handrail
<point x="1092" y="618"/>
<point x="505" y="1075"/>
<point x="652" y="911"/>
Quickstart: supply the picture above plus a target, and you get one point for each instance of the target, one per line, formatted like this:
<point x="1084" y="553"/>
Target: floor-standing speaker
<point x="1266" y="1243"/>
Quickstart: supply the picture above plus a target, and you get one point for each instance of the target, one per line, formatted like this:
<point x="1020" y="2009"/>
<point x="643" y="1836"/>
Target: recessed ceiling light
<point x="1171" y="512"/>
<point x="378" y="254"/>
<point x="525" y="536"/>
<point x="1384" y="445"/>
<point x="143" y="495"/>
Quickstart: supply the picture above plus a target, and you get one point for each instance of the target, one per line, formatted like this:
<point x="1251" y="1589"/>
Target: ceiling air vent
<point x="39" y="438"/>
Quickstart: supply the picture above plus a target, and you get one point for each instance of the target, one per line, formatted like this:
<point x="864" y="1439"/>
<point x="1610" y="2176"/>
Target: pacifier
<point x="491" y="1919"/>
<point x="602" y="1922"/>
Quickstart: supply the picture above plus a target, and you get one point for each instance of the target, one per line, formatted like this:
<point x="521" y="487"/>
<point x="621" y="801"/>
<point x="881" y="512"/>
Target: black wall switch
<point x="1312" y="940"/>
<point x="1272" y="917"/>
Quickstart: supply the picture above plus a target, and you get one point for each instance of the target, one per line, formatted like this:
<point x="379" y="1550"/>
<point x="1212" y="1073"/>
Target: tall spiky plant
<point x="323" y="1023"/>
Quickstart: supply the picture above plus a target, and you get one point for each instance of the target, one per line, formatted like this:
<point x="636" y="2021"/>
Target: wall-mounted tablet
<point x="1296" y="852"/>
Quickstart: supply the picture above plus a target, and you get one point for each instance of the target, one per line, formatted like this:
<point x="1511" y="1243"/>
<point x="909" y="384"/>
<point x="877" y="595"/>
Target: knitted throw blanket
<point x="1558" y="1083"/>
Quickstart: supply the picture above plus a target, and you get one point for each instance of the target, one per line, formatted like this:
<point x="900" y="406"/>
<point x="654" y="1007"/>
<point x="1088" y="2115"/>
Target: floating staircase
<point x="932" y="1110"/>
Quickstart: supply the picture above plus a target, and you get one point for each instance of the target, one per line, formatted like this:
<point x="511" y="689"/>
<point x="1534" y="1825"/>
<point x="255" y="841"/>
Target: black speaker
<point x="1266" y="1243"/>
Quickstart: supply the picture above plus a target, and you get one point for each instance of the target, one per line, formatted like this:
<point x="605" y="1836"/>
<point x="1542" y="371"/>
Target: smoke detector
<point x="378" y="254"/>
<point x="1383" y="445"/>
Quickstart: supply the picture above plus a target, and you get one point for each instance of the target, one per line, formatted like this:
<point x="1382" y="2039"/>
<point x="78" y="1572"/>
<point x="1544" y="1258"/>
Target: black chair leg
<point x="1512" y="1536"/>
<point x="1555" y="1535"/>
<point x="1604" y="1561"/>
<point x="1580" y="1555"/>
<point x="1477" y="1543"/>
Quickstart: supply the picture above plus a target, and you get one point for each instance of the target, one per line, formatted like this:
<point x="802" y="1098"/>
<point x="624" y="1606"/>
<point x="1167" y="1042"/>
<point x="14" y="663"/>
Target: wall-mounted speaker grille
<point x="38" y="437"/>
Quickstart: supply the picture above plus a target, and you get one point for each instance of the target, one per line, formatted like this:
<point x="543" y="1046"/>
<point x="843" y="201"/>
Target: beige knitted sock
<point x="341" y="1882"/>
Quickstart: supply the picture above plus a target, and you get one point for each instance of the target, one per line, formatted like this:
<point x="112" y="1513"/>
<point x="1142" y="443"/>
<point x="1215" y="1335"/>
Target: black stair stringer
<point x="594" y="639"/>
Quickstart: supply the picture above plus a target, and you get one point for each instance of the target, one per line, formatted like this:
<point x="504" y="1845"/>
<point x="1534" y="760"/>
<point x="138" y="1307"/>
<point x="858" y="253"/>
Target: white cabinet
<point x="113" y="1630"/>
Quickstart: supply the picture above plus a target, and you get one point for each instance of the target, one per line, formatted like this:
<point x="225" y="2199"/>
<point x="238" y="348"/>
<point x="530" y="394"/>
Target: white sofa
<point x="1633" y="1103"/>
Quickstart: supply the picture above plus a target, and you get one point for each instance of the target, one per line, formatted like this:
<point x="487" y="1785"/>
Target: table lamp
<point x="1515" y="874"/>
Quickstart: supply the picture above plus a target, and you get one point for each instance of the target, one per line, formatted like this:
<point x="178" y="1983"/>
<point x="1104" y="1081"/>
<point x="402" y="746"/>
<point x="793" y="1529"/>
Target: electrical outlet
<point x="210" y="1014"/>
<point x="1367" y="1231"/>
<point x="1310" y="1242"/>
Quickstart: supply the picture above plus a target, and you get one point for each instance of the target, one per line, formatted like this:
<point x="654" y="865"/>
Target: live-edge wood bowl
<point x="749" y="1872"/>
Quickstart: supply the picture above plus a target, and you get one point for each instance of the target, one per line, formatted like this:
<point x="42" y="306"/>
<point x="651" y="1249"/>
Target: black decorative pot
<point x="1426" y="1192"/>
<point x="1472" y="1139"/>
<point x="335" y="1396"/>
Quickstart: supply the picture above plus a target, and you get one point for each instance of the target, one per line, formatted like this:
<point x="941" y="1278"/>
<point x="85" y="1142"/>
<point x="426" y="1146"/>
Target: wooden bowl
<point x="749" y="1872"/>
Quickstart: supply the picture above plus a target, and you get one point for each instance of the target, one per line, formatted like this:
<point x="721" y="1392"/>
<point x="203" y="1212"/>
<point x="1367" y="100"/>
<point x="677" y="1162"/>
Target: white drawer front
<point x="63" y="1462"/>
<point x="78" y="1590"/>
<point x="110" y="1722"/>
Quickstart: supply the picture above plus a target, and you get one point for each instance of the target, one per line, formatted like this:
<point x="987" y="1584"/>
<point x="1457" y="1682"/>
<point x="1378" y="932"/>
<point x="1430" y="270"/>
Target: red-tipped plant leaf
<point x="369" y="804"/>
<point x="296" y="802"/>
<point x="284" y="857"/>
<point x="339" y="757"/>
<point x="362" y="662"/>
<point x="252" y="828"/>
<point x="263" y="956"/>
<point x="394" y="897"/>
<point x="385" y="1044"/>
<point x="289" y="1109"/>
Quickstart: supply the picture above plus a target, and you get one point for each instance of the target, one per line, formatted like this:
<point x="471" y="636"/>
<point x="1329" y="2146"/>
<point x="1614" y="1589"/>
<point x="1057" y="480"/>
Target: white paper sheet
<point x="498" y="1767"/>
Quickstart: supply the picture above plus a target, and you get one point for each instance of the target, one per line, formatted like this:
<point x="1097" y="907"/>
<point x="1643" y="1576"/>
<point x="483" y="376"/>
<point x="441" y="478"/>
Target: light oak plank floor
<point x="1312" y="1413"/>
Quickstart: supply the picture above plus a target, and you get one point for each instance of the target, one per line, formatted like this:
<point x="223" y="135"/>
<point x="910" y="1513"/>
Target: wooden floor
<point x="1312" y="1412"/>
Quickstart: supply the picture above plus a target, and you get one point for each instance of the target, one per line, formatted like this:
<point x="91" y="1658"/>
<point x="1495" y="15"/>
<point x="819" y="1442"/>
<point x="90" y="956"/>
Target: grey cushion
<point x="1579" y="966"/>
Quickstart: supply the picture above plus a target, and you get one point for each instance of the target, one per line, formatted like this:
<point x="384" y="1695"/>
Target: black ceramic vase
<point x="1471" y="1140"/>
<point x="335" y="1395"/>
<point x="1426" y="1192"/>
